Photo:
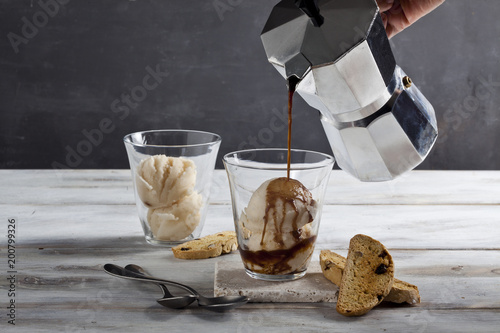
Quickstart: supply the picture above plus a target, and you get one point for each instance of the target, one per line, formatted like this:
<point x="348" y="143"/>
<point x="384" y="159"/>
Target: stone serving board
<point x="231" y="280"/>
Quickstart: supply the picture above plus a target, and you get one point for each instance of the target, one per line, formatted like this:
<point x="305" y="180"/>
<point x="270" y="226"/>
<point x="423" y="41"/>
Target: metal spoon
<point x="168" y="300"/>
<point x="212" y="303"/>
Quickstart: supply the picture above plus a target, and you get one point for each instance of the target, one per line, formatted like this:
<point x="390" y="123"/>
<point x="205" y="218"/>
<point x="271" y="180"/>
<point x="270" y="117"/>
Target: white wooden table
<point x="442" y="229"/>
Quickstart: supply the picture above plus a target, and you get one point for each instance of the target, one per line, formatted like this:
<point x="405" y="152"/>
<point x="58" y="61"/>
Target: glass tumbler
<point x="276" y="218"/>
<point x="172" y="174"/>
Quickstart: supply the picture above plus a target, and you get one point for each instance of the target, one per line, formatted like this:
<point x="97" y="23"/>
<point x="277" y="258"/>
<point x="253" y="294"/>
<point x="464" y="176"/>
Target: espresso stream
<point x="292" y="84"/>
<point x="288" y="191"/>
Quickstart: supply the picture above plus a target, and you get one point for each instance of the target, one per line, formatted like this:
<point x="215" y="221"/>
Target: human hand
<point x="400" y="14"/>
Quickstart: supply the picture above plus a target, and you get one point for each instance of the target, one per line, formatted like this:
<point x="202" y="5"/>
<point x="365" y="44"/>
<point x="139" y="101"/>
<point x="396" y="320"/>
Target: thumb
<point x="384" y="5"/>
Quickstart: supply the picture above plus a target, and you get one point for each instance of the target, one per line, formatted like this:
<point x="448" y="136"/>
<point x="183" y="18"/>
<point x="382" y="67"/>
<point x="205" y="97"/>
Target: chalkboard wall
<point x="78" y="75"/>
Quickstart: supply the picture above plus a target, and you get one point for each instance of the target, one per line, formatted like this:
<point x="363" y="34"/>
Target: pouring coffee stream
<point x="292" y="82"/>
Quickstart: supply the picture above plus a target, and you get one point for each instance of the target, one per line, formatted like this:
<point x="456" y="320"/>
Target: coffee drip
<point x="292" y="82"/>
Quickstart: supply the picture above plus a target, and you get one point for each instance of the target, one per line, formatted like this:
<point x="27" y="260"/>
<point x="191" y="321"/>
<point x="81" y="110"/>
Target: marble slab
<point x="231" y="280"/>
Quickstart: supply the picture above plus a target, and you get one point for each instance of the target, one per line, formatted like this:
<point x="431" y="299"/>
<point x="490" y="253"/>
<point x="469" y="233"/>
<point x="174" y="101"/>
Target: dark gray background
<point x="64" y="79"/>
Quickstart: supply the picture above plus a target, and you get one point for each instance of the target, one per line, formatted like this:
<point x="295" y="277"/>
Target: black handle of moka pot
<point x="311" y="9"/>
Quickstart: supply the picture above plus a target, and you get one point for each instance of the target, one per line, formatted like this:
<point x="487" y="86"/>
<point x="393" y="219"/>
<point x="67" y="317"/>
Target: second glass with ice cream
<point x="277" y="218"/>
<point x="171" y="172"/>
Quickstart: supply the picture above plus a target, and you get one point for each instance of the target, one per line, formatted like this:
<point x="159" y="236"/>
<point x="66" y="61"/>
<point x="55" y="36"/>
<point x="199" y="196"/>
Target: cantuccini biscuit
<point x="207" y="247"/>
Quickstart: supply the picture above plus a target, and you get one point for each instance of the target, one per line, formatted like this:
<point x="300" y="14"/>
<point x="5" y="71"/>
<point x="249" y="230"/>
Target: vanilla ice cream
<point x="166" y="186"/>
<point x="161" y="180"/>
<point x="277" y="227"/>
<point x="177" y="221"/>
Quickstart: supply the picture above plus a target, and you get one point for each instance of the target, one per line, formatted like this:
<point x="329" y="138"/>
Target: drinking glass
<point x="277" y="232"/>
<point x="172" y="174"/>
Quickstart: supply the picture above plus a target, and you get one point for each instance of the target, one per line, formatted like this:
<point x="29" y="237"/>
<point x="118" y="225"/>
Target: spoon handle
<point x="121" y="272"/>
<point x="139" y="270"/>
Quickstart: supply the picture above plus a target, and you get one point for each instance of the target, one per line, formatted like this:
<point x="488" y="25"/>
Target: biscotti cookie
<point x="333" y="265"/>
<point x="207" y="247"/>
<point x="402" y="292"/>
<point x="368" y="276"/>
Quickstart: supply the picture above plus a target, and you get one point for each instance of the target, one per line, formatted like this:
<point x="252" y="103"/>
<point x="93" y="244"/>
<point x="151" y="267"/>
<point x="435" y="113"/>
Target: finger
<point x="390" y="31"/>
<point x="396" y="22"/>
<point x="384" y="19"/>
<point x="416" y="9"/>
<point x="384" y="5"/>
<point x="396" y="9"/>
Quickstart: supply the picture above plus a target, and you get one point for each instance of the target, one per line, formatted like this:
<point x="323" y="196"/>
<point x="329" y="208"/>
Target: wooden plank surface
<point x="63" y="279"/>
<point x="442" y="228"/>
<point x="108" y="187"/>
<point x="398" y="226"/>
<point x="444" y="278"/>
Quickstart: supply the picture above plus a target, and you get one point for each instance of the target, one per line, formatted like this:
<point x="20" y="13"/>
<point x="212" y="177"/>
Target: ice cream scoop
<point x="163" y="180"/>
<point x="165" y="185"/>
<point x="276" y="214"/>
<point x="177" y="221"/>
<point x="278" y="234"/>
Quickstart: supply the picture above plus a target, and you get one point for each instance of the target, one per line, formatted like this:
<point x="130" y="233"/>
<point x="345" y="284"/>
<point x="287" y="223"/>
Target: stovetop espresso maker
<point x="378" y="123"/>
